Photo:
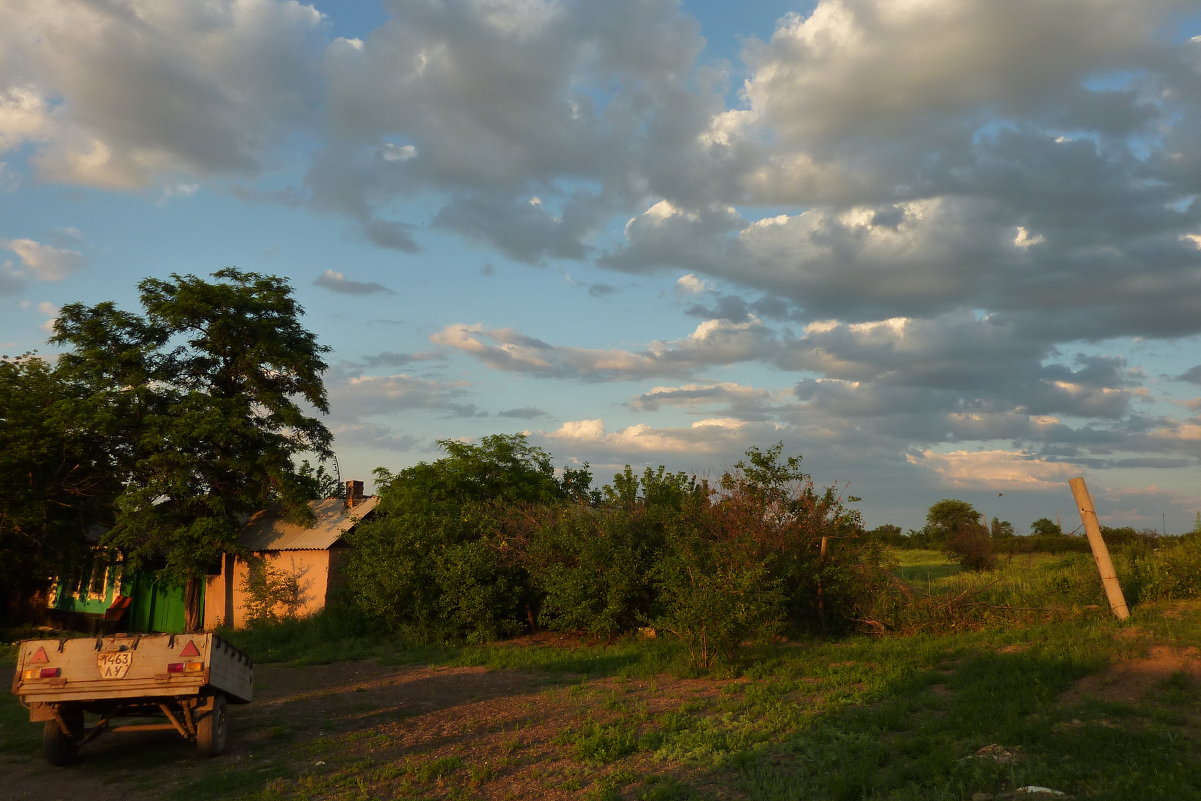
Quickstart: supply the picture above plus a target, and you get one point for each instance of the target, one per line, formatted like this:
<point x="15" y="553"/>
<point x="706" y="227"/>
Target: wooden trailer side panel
<point x="118" y="667"/>
<point x="231" y="672"/>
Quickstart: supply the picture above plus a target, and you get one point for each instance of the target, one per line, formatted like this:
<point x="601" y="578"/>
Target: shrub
<point x="1170" y="572"/>
<point x="972" y="547"/>
<point x="716" y="592"/>
<point x="1044" y="543"/>
<point x="589" y="569"/>
<point x="436" y="577"/>
<point x="764" y="549"/>
<point x="272" y="593"/>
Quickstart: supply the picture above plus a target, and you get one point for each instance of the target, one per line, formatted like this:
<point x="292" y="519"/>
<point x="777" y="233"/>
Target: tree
<point x="766" y="548"/>
<point x="202" y="393"/>
<point x="590" y="566"/>
<point x="948" y="515"/>
<point x="889" y="534"/>
<point x="1000" y="529"/>
<point x="435" y="561"/>
<point x="56" y="481"/>
<point x="956" y="525"/>
<point x="1046" y="527"/>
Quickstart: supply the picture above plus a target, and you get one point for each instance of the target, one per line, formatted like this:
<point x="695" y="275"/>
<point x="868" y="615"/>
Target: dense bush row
<point x="489" y="541"/>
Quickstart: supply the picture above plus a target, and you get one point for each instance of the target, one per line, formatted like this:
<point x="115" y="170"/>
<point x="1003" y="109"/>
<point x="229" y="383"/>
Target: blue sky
<point x="940" y="248"/>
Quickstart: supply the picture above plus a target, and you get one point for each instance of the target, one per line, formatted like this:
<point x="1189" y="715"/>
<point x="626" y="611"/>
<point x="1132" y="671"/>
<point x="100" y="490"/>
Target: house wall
<point x="90" y="594"/>
<point x="226" y="594"/>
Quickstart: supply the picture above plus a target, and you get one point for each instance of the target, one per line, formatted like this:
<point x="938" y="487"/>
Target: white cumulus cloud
<point x="45" y="262"/>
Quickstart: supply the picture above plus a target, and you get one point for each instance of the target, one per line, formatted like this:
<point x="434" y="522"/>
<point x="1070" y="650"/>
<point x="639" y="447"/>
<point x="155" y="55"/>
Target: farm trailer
<point x="189" y="679"/>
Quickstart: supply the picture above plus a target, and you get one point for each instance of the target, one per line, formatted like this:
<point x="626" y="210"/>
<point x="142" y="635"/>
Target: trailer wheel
<point x="61" y="749"/>
<point x="212" y="730"/>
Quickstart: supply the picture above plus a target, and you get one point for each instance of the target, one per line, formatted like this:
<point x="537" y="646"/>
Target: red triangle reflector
<point x="39" y="657"/>
<point x="190" y="649"/>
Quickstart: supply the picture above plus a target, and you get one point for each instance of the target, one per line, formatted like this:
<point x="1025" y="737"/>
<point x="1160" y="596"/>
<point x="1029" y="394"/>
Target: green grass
<point x="923" y="567"/>
<point x="630" y="658"/>
<point x="942" y="714"/>
<point x="330" y="636"/>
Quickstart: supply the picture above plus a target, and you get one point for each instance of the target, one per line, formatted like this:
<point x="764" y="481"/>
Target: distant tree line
<point x="954" y="526"/>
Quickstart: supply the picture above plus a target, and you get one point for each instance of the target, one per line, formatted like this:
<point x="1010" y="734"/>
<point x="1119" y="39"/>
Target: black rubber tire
<point x="212" y="730"/>
<point x="61" y="749"/>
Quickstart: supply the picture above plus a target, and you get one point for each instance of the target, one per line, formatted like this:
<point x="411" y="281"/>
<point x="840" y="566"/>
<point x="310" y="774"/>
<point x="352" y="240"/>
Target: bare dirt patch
<point x="499" y="733"/>
<point x="1132" y="680"/>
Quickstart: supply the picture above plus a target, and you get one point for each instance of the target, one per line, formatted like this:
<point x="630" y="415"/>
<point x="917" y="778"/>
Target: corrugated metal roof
<point x="264" y="532"/>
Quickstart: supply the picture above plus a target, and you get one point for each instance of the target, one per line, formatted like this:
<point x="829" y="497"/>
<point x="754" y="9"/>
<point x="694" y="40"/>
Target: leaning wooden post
<point x="1109" y="578"/>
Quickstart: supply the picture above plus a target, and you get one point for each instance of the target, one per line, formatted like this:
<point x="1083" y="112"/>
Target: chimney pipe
<point x="354" y="493"/>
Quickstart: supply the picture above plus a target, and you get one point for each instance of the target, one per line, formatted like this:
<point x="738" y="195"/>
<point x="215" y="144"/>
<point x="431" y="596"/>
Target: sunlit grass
<point x="941" y="714"/>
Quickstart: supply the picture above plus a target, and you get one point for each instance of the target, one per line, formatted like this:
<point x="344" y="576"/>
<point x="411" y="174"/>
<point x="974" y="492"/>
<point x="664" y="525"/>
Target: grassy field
<point x="1073" y="701"/>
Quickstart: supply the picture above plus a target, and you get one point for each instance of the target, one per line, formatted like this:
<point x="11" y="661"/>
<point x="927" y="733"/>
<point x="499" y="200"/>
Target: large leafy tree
<point x="56" y="476"/>
<point x="434" y="561"/>
<point x="957" y="526"/>
<point x="944" y="521"/>
<point x="203" y="392"/>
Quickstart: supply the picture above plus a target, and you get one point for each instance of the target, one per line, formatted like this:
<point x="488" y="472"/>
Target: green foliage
<point x="501" y="467"/>
<point x="972" y="547"/>
<point x="1045" y="527"/>
<point x="434" y="575"/>
<point x="1044" y="543"/>
<point x="767" y="548"/>
<point x="590" y="567"/>
<point x="947" y="516"/>
<point x="56" y="476"/>
<point x="714" y="606"/>
<point x="889" y="535"/>
<point x="1170" y="572"/>
<point x="433" y="561"/>
<point x="336" y="633"/>
<point x="602" y="744"/>
<point x="319" y="483"/>
<point x="1130" y="540"/>
<point x="487" y="540"/>
<point x="938" y="595"/>
<point x="201" y="398"/>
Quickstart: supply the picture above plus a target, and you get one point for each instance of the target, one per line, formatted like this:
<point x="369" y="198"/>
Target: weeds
<point x="975" y="705"/>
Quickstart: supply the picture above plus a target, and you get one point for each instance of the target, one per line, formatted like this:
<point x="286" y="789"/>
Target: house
<point x="292" y="570"/>
<point x="105" y="595"/>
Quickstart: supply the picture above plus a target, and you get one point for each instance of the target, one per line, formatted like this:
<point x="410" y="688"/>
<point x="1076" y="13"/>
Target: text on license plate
<point x="114" y="665"/>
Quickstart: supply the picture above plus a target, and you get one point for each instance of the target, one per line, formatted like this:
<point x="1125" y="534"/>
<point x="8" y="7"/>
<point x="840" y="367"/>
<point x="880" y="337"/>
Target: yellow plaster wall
<point x="225" y="594"/>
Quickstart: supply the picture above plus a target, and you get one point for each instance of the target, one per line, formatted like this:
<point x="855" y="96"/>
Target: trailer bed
<point x="186" y="678"/>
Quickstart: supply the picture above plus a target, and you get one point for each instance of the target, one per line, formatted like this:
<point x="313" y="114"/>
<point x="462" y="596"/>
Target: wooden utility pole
<point x="1109" y="578"/>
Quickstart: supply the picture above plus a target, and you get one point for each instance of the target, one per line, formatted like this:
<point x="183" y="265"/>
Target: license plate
<point x="114" y="665"/>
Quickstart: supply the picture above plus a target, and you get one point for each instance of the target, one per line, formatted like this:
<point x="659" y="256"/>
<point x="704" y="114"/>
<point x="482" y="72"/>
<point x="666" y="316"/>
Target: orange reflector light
<point x="185" y="667"/>
<point x="190" y="649"/>
<point x="194" y="667"/>
<point x="42" y="673"/>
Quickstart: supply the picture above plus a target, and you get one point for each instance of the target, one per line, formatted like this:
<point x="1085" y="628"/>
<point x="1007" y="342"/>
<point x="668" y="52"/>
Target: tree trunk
<point x="193" y="601"/>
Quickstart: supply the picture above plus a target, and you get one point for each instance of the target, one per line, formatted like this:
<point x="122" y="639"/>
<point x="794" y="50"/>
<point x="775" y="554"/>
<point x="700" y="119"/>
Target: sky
<point x="938" y="248"/>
